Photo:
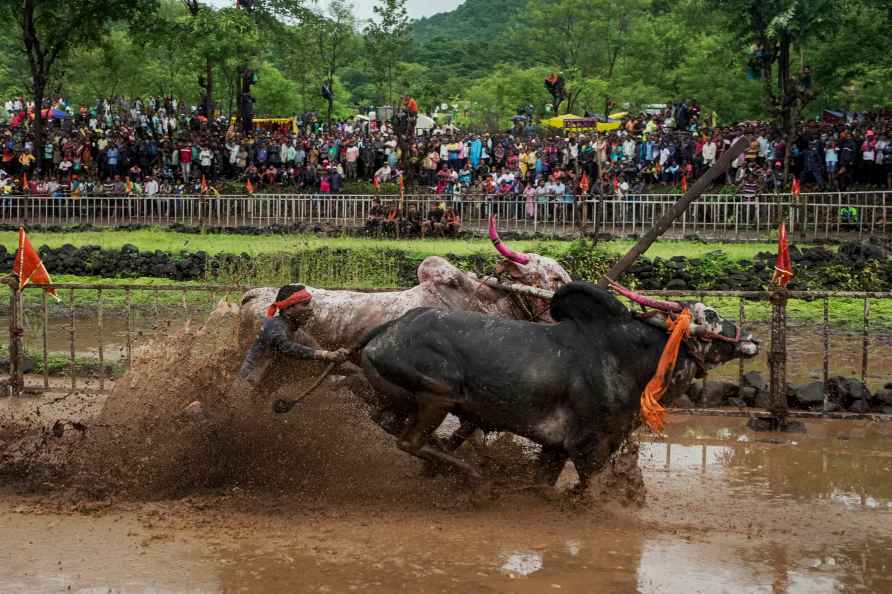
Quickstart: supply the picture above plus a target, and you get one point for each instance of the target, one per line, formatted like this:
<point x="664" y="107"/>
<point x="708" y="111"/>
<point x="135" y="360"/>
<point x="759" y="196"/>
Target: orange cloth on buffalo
<point x="652" y="411"/>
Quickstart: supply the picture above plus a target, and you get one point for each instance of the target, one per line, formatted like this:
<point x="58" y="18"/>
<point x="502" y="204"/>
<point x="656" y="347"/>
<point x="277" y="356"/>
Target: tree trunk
<point x="786" y="106"/>
<point x="209" y="97"/>
<point x="38" y="128"/>
<point x="330" y="97"/>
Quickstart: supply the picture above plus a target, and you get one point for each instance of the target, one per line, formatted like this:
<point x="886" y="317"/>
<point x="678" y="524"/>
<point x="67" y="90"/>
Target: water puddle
<point x="829" y="488"/>
<point x="846" y="463"/>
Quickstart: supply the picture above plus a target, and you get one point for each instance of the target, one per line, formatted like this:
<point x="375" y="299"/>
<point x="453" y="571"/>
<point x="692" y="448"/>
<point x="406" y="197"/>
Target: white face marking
<point x="749" y="349"/>
<point x="708" y="317"/>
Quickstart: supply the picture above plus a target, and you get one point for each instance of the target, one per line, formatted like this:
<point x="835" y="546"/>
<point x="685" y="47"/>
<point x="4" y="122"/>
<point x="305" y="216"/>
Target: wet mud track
<point x="727" y="510"/>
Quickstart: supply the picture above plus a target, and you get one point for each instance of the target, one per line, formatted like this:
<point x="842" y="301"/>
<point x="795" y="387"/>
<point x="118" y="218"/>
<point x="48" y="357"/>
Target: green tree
<point x="276" y="95"/>
<point x="496" y="98"/>
<point x="222" y="39"/>
<point x="49" y="30"/>
<point x="583" y="38"/>
<point x="387" y="38"/>
<point x="335" y="36"/>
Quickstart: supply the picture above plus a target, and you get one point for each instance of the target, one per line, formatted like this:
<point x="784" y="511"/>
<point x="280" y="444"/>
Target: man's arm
<point x="278" y="337"/>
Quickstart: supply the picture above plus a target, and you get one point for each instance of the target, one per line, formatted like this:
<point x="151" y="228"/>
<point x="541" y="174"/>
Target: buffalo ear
<point x="584" y="302"/>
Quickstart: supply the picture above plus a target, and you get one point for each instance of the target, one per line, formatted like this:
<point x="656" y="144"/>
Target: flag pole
<point x="777" y="355"/>
<point x="16" y="382"/>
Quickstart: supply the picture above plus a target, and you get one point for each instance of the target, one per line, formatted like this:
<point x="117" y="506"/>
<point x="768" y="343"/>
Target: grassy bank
<point x="170" y="241"/>
<point x="115" y="300"/>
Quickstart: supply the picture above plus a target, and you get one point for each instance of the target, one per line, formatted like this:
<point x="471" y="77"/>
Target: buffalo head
<point x="712" y="340"/>
<point x="717" y="340"/>
<point x="531" y="270"/>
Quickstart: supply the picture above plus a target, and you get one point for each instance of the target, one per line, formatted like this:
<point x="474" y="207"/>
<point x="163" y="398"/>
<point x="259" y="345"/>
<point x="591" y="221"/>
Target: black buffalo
<point x="574" y="387"/>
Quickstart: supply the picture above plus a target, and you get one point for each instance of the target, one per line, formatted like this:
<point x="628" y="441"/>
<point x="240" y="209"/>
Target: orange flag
<point x="28" y="265"/>
<point x="684" y="184"/>
<point x="204" y="185"/>
<point x="795" y="188"/>
<point x="377" y="183"/>
<point x="783" y="268"/>
<point x="652" y="412"/>
<point x="129" y="186"/>
<point x="25" y="186"/>
<point x="584" y="183"/>
<point x="249" y="186"/>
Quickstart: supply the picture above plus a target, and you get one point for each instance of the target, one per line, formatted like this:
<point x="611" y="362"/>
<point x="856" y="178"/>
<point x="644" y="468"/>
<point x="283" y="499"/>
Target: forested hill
<point x="474" y="19"/>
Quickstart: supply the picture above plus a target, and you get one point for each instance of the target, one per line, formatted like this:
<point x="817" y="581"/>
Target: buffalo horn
<point x="666" y="306"/>
<point x="660" y="323"/>
<point x="517" y="257"/>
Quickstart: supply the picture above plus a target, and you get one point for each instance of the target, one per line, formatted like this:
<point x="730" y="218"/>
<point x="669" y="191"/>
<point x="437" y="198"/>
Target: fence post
<point x="16" y="339"/>
<point x="777" y="358"/>
<point x="777" y="362"/>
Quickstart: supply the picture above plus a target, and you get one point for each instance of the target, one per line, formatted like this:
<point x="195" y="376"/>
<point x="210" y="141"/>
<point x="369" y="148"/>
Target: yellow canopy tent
<point x="558" y="122"/>
<point x="273" y="122"/>
<point x="572" y="123"/>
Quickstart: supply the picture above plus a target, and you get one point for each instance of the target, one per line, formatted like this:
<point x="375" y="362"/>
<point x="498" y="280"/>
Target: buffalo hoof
<point x="390" y="421"/>
<point x="578" y="497"/>
<point x="549" y="493"/>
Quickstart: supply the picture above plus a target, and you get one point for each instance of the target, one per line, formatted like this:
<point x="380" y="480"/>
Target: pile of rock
<point x="843" y="395"/>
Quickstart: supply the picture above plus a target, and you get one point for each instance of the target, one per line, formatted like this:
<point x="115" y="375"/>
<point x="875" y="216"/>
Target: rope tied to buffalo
<point x="653" y="413"/>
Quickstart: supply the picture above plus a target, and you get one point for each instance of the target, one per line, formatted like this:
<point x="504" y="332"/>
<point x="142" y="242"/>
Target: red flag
<point x="684" y="184"/>
<point x="28" y="265"/>
<point x="377" y="183"/>
<point x="615" y="184"/>
<point x="584" y="183"/>
<point x="783" y="268"/>
<point x="129" y="186"/>
<point x="250" y="187"/>
<point x="795" y="188"/>
<point x="204" y="185"/>
<point x="402" y="184"/>
<point x="26" y="187"/>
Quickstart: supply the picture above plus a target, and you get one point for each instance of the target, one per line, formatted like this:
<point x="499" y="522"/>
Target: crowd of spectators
<point x="161" y="146"/>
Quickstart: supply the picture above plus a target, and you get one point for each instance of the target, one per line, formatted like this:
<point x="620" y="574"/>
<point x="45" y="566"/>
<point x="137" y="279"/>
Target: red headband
<point x="302" y="296"/>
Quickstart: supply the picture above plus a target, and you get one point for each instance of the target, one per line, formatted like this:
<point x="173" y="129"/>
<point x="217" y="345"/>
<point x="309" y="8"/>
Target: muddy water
<point x="727" y="511"/>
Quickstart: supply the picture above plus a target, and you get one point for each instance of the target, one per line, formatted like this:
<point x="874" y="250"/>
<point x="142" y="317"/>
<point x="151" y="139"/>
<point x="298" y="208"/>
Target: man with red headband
<point x="282" y="335"/>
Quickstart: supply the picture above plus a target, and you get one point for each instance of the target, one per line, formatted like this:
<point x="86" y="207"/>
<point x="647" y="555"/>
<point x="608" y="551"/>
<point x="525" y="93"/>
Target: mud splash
<point x="169" y="429"/>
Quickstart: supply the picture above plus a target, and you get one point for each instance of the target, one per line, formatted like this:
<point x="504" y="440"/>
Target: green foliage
<point x="387" y="39"/>
<point x="587" y="261"/>
<point x="488" y="57"/>
<point x="276" y="95"/>
<point x="496" y="97"/>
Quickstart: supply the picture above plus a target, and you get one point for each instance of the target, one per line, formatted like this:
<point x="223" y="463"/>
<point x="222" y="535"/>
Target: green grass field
<point x="169" y="241"/>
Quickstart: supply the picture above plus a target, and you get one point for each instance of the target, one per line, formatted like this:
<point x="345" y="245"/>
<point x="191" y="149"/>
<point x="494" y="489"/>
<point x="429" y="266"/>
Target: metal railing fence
<point x="814" y="215"/>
